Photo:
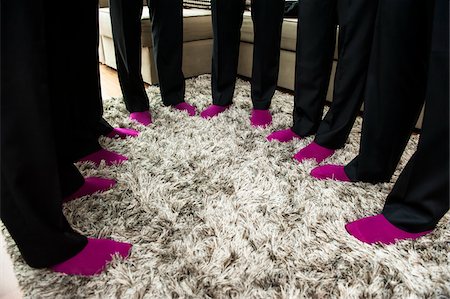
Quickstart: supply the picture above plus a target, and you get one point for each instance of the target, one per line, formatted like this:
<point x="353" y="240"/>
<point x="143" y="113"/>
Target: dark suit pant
<point x="81" y="84"/>
<point x="420" y="197"/>
<point x="83" y="98"/>
<point x="167" y="31"/>
<point x="316" y="39"/>
<point x="227" y="17"/>
<point x="36" y="172"/>
<point x="396" y="85"/>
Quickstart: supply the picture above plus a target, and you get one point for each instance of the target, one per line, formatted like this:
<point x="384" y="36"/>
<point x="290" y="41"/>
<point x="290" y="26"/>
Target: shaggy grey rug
<point x="216" y="211"/>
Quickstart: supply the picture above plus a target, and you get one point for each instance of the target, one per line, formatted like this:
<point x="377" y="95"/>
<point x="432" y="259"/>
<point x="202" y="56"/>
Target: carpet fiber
<point x="214" y="210"/>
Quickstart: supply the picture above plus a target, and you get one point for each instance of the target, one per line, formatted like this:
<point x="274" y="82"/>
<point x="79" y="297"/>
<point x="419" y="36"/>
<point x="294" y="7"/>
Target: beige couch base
<point x="195" y="59"/>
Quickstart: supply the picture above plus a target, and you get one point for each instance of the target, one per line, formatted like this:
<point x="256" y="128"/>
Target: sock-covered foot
<point x="122" y="133"/>
<point x="213" y="110"/>
<point x="313" y="151"/>
<point x="261" y="118"/>
<point x="144" y="117"/>
<point x="330" y="172"/>
<point x="93" y="258"/>
<point x="378" y="229"/>
<point x="91" y="185"/>
<point x="191" y="110"/>
<point x="283" y="136"/>
<point x="109" y="157"/>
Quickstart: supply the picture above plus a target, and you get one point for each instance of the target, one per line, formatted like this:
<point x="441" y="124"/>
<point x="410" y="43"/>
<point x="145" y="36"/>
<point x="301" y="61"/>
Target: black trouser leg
<point x="126" y="27"/>
<point x="316" y="40"/>
<point x="420" y="197"/>
<point x="267" y="18"/>
<point x="167" y="30"/>
<point x="69" y="177"/>
<point x="83" y="104"/>
<point x="395" y="89"/>
<point x="227" y="21"/>
<point x="356" y="25"/>
<point x="30" y="178"/>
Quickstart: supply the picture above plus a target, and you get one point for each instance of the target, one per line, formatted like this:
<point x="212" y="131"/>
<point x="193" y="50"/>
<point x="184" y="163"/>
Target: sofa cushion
<point x="197" y="25"/>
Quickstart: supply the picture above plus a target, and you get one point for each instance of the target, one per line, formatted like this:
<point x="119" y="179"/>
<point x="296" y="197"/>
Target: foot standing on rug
<point x="167" y="31"/>
<point x="227" y="15"/>
<point x="36" y="171"/>
<point x="316" y="41"/>
<point x="420" y="197"/>
<point x="392" y="105"/>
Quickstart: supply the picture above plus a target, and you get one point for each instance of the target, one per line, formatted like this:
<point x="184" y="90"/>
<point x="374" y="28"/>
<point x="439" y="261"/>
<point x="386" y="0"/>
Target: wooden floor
<point x="109" y="82"/>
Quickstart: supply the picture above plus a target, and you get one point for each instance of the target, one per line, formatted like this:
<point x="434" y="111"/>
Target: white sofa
<point x="198" y="48"/>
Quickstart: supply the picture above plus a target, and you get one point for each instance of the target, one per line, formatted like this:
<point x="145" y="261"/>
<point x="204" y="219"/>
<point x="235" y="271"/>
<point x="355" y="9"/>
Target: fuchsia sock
<point x="261" y="118"/>
<point x="330" y="172"/>
<point x="93" y="258"/>
<point x="191" y="110"/>
<point x="109" y="157"/>
<point x="283" y="135"/>
<point x="144" y="117"/>
<point x="313" y="151"/>
<point x="378" y="229"/>
<point x="213" y="110"/>
<point x="122" y="133"/>
<point x="90" y="186"/>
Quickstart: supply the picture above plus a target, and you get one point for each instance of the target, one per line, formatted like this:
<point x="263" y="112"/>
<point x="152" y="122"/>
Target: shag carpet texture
<point x="216" y="211"/>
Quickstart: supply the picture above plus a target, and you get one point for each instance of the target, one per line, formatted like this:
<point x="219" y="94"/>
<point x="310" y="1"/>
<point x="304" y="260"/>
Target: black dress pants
<point x="420" y="197"/>
<point x="316" y="39"/>
<point x="35" y="171"/>
<point x="83" y="98"/>
<point x="167" y="30"/>
<point x="227" y="15"/>
<point x="396" y="85"/>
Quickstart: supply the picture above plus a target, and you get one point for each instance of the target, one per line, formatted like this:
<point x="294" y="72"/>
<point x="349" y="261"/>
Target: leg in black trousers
<point x="316" y="43"/>
<point x="316" y="39"/>
<point x="420" y="197"/>
<point x="395" y="88"/>
<point x="356" y="26"/>
<point x="83" y="102"/>
<point x="126" y="28"/>
<point x="84" y="116"/>
<point x="227" y="21"/>
<point x="227" y="17"/>
<point x="35" y="171"/>
<point x="167" y="29"/>
<point x="267" y="16"/>
<point x="31" y="172"/>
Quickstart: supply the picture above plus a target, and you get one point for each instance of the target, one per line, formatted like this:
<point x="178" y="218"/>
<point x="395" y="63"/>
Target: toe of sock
<point x="94" y="258"/>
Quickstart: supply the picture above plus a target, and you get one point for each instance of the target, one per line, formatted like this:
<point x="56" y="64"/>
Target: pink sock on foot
<point x="378" y="229"/>
<point x="213" y="110"/>
<point x="144" y="117"/>
<point x="109" y="157"/>
<point x="330" y="172"/>
<point x="191" y="110"/>
<point x="90" y="186"/>
<point x="122" y="133"/>
<point x="93" y="258"/>
<point x="283" y="135"/>
<point x="261" y="118"/>
<point x="313" y="151"/>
